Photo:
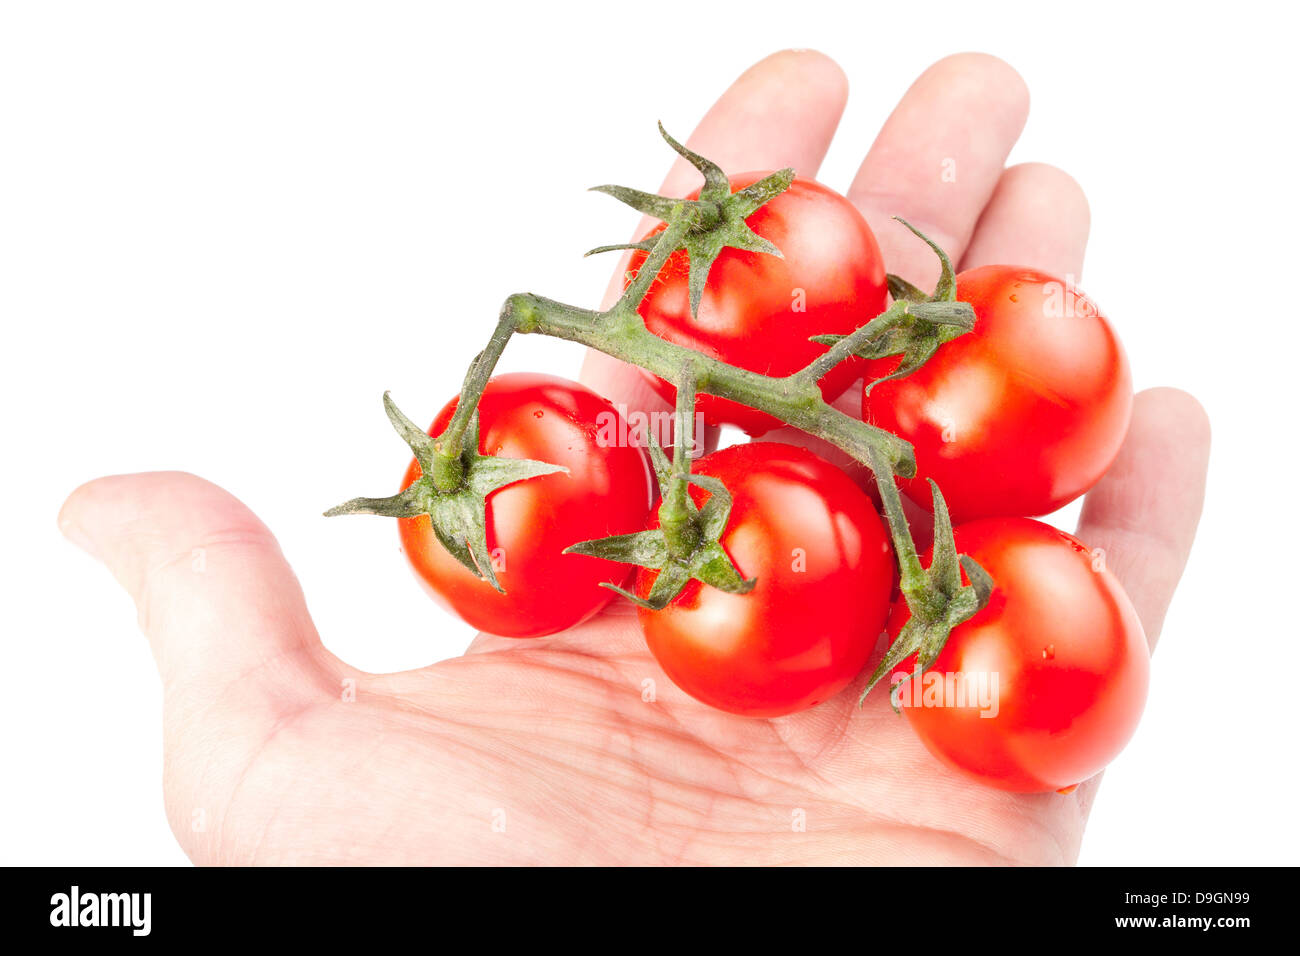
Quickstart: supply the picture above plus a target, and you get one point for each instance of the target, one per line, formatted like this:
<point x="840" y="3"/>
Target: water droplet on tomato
<point x="1049" y="652"/>
<point x="538" y="414"/>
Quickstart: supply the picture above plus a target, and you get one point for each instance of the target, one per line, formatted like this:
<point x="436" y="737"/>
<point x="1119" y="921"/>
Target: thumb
<point x="216" y="598"/>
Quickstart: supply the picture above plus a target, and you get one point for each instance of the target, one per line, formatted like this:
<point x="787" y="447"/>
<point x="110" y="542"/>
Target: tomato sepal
<point x="716" y="221"/>
<point x="685" y="546"/>
<point x="912" y="330"/>
<point x="900" y="290"/>
<point x="709" y="563"/>
<point x="938" y="602"/>
<point x="913" y="327"/>
<point x="458" y="516"/>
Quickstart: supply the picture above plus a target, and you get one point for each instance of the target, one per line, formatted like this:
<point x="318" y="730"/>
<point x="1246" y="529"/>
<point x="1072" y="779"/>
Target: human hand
<point x="543" y="751"/>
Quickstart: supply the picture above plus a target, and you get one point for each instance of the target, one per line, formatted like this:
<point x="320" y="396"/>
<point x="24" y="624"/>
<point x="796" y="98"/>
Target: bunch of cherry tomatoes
<point x="1011" y="420"/>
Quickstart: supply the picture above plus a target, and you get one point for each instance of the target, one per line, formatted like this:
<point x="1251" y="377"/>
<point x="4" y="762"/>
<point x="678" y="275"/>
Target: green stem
<point x="676" y="517"/>
<point x="686" y="546"/>
<point x="845" y="347"/>
<point x="793" y="399"/>
<point x="912" y="578"/>
<point x="796" y="399"/>
<point x="666" y="245"/>
<point x="448" y="470"/>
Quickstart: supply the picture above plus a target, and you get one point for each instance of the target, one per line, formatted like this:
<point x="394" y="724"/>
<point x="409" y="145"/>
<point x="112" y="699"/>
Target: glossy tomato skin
<point x="825" y="573"/>
<point x="607" y="491"/>
<point x="759" y="311"/>
<point x="1021" y="415"/>
<point x="1069" y="655"/>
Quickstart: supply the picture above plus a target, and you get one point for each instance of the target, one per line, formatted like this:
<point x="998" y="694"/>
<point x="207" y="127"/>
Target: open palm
<point x="576" y="748"/>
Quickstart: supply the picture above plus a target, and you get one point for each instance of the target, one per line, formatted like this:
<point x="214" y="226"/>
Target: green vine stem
<point x="796" y="398"/>
<point x="681" y="533"/>
<point x="457" y="477"/>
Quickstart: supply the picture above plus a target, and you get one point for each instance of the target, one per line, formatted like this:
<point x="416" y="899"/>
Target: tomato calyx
<point x="937" y="600"/>
<point x="716" y="220"/>
<point x="686" y="545"/>
<point x="915" y="325"/>
<point x="459" y="513"/>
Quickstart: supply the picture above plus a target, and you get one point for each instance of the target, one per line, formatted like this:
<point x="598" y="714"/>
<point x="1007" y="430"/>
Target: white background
<point x="226" y="228"/>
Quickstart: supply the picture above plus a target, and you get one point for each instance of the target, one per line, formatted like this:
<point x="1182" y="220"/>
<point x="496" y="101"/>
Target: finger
<point x="216" y="598"/>
<point x="780" y="112"/>
<point x="1144" y="512"/>
<point x="938" y="159"/>
<point x="1037" y="217"/>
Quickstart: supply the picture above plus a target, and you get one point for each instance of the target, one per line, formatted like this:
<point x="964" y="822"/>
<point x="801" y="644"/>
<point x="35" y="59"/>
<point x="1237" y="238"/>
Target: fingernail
<point x="72" y="531"/>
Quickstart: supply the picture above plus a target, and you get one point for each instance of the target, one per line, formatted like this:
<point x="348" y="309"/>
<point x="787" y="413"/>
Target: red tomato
<point x="1023" y="414"/>
<point x="607" y="491"/>
<point x="758" y="312"/>
<point x="1059" y="653"/>
<point x="825" y="572"/>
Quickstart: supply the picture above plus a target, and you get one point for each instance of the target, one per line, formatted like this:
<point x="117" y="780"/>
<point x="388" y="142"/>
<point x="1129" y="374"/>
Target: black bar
<point x="880" y="907"/>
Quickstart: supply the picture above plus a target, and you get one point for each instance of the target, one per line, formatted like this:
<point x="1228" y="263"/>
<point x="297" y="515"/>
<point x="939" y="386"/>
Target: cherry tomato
<point x="529" y="523"/>
<point x="1054" y="668"/>
<point x="759" y="311"/>
<point x="825" y="572"/>
<point x="1021" y="415"/>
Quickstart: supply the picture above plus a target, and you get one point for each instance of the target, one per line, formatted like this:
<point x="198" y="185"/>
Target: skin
<point x="554" y="732"/>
